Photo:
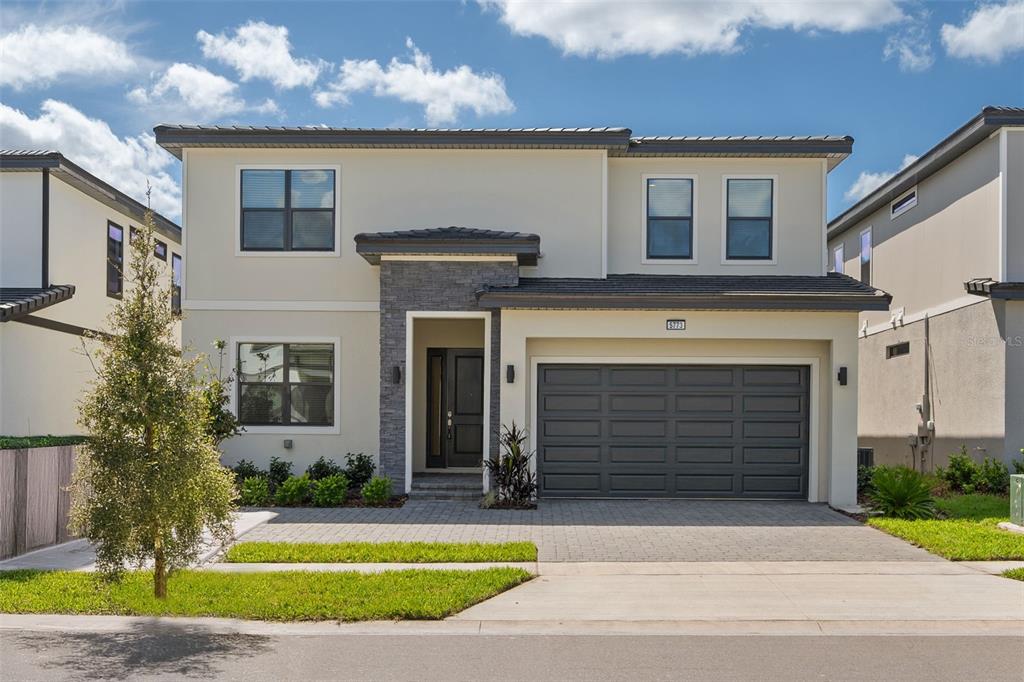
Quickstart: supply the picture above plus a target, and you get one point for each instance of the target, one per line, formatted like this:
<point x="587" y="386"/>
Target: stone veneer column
<point x="420" y="286"/>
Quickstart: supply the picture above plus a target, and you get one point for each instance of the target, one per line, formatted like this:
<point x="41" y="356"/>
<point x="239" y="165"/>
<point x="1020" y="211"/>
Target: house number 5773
<point x="675" y="325"/>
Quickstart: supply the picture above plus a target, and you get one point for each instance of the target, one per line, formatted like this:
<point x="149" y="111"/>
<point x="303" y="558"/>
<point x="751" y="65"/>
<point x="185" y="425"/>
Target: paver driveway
<point x="612" y="530"/>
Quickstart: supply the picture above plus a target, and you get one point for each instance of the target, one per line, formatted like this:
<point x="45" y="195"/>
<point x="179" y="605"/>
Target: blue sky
<point x="93" y="79"/>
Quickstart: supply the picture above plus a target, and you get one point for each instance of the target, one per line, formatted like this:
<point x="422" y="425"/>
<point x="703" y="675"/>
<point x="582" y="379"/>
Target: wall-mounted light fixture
<point x="396" y="375"/>
<point x="287" y="443"/>
<point x="842" y="376"/>
<point x="510" y="374"/>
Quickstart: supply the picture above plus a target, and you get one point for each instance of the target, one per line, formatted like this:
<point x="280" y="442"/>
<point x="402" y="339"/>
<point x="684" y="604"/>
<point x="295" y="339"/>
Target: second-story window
<point x="670" y="218"/>
<point x="865" y="256"/>
<point x="175" y="283"/>
<point x="839" y="259"/>
<point x="160" y="249"/>
<point x="749" y="210"/>
<point x="115" y="260"/>
<point x="288" y="210"/>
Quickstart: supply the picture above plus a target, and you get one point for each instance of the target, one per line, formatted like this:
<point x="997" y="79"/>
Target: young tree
<point x="149" y="480"/>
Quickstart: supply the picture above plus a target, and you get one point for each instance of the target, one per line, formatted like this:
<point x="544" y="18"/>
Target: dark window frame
<point x="175" y="286"/>
<point x="865" y="263"/>
<point x="285" y="386"/>
<point x="897" y="350"/>
<point x="647" y="226"/>
<point x="903" y="204"/>
<point x="288" y="212"/>
<point x="112" y="267"/>
<point x="156" y="250"/>
<point x="770" y="218"/>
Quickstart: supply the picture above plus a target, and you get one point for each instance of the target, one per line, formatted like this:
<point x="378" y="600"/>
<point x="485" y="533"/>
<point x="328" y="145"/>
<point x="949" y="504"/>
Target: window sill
<point x="288" y="254"/>
<point x="292" y="430"/>
<point x="668" y="261"/>
<point x="750" y="261"/>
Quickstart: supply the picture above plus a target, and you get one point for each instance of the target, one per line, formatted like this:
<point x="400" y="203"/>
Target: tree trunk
<point x="159" y="569"/>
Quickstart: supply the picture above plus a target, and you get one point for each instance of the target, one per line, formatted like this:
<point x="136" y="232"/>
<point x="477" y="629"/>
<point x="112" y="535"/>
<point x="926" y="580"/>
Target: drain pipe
<point x="926" y="429"/>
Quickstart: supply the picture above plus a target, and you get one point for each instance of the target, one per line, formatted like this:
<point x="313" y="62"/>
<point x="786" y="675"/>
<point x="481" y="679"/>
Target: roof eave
<point x="44" y="299"/>
<point x="491" y="299"/>
<point x="525" y="251"/>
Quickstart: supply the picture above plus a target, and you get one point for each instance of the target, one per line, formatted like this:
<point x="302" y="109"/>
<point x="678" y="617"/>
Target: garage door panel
<point x="680" y="431"/>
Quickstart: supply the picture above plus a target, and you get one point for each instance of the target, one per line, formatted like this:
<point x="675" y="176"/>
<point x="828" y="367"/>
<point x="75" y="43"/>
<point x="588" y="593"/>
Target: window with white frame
<point x="288" y="210"/>
<point x="903" y="204"/>
<point x="286" y="384"/>
<point x="865" y="256"/>
<point x="669" y="218"/>
<point x="838" y="259"/>
<point x="749" y="218"/>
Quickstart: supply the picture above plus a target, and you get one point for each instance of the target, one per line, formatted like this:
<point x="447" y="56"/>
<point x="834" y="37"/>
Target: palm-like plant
<point x="901" y="493"/>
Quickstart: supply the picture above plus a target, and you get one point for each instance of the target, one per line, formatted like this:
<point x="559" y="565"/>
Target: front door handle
<point x="449" y="424"/>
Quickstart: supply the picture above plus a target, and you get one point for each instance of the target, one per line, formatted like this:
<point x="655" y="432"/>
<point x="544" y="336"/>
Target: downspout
<point x="45" y="266"/>
<point x="927" y="428"/>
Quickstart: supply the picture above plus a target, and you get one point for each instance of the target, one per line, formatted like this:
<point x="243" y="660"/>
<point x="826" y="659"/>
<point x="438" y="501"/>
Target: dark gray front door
<point x="455" y="408"/>
<point x="673" y="431"/>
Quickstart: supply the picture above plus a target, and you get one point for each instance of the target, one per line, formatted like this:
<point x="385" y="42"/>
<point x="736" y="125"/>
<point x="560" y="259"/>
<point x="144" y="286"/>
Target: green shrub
<point x="966" y="476"/>
<point x="864" y="474"/>
<point x="1018" y="464"/>
<point x="324" y="468"/>
<point x="330" y="491"/>
<point x="359" y="469"/>
<point x="255" y="491"/>
<point x="22" y="442"/>
<point x="280" y="471"/>
<point x="901" y="493"/>
<point x="993" y="477"/>
<point x="377" y="491"/>
<point x="294" y="491"/>
<point x="246" y="469"/>
<point x="960" y="472"/>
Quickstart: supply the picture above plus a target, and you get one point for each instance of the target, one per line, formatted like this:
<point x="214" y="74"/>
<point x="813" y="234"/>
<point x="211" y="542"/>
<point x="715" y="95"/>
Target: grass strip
<point x="378" y="552"/>
<point x="957" y="539"/>
<point x="1014" y="573"/>
<point x="22" y="442"/>
<point x="276" y="596"/>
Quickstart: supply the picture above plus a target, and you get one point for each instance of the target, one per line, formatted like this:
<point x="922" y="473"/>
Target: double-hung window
<point x="115" y="260"/>
<point x="175" y="283"/>
<point x="669" y="218"/>
<point x="839" y="259"/>
<point x="865" y="256"/>
<point x="286" y="384"/>
<point x="288" y="210"/>
<point x="750" y="218"/>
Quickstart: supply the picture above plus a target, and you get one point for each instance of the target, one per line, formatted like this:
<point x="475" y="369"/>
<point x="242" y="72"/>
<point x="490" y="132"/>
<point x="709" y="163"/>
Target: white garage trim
<point x="814" y="413"/>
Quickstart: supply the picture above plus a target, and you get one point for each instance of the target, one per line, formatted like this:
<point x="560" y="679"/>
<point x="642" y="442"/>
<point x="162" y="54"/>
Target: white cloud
<point x="442" y="94"/>
<point x="911" y="46"/>
<point x="259" y="50"/>
<point x="612" y="29"/>
<point x="990" y="33"/>
<point x="34" y="56"/>
<point x="867" y="182"/>
<point x="196" y="90"/>
<point x="125" y="162"/>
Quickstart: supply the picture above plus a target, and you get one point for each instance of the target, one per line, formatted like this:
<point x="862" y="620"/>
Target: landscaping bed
<point x="383" y="552"/>
<point x="278" y="596"/>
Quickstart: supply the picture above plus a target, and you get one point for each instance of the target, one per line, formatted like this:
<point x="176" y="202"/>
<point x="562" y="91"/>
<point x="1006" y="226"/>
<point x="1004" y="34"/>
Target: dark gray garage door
<point x="672" y="431"/>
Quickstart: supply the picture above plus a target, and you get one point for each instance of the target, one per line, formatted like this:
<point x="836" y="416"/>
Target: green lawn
<point x="1015" y="573"/>
<point x="383" y="552"/>
<point x="19" y="442"/>
<point x="969" y="532"/>
<point x="281" y="596"/>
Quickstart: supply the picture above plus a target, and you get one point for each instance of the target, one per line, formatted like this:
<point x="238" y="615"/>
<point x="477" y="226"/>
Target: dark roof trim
<point x="86" y="182"/>
<point x="935" y="159"/>
<point x="448" y="241"/>
<point x="989" y="288"/>
<point x="16" y="302"/>
<point x="618" y="141"/>
<point x="806" y="302"/>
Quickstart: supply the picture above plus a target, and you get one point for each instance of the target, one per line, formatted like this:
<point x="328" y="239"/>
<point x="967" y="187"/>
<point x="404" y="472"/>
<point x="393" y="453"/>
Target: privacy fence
<point x="34" y="499"/>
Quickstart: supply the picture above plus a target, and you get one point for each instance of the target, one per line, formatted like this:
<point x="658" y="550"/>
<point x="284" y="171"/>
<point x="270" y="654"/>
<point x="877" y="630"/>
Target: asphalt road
<point x="173" y="653"/>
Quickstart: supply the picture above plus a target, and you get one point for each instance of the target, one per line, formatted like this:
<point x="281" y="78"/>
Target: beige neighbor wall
<point x="557" y="194"/>
<point x="435" y="333"/>
<point x="44" y="371"/>
<point x="1013" y="314"/>
<point x="799" y="214"/>
<point x="967" y="374"/>
<point x="924" y="256"/>
<point x="726" y="337"/>
<point x="21" y="219"/>
<point x="356" y="410"/>
<point x="1015" y="204"/>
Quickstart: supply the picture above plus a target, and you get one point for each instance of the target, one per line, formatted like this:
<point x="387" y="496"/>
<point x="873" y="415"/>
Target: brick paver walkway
<point x="619" y="530"/>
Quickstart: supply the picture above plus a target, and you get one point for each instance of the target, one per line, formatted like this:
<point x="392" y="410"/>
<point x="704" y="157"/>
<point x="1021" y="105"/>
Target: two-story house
<point x="656" y="312"/>
<point x="64" y="263"/>
<point x="945" y="236"/>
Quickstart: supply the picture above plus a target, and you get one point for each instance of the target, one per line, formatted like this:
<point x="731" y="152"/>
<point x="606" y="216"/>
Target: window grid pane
<point x="669" y="198"/>
<point x="263" y="188"/>
<point x="750" y="198"/>
<point x="263" y="230"/>
<point x="669" y="238"/>
<point x="312" y="188"/>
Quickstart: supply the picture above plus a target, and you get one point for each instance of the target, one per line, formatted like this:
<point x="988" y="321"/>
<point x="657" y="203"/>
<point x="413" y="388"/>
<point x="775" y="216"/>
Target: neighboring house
<point x="655" y="311"/>
<point x="944" y="236"/>
<point x="63" y="264"/>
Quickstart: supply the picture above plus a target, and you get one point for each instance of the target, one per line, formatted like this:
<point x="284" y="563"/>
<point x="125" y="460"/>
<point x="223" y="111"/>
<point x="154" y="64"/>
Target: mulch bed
<point x="510" y="505"/>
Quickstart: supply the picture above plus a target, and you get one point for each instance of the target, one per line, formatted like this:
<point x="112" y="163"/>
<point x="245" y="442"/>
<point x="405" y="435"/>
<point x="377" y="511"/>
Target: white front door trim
<point x="410" y="317"/>
<point x="814" y="415"/>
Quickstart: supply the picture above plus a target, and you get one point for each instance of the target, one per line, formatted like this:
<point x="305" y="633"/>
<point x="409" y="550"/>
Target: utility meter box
<point x="1017" y="499"/>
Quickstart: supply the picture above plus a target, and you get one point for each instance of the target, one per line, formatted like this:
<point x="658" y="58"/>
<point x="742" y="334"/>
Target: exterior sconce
<point x="510" y="374"/>
<point x="842" y="376"/>
<point x="396" y="375"/>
